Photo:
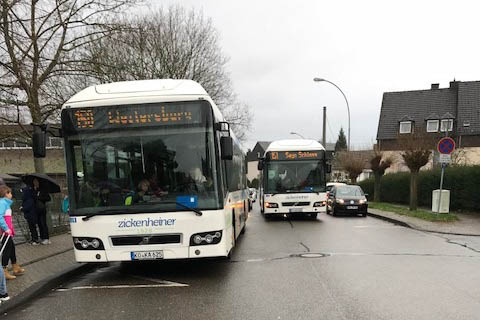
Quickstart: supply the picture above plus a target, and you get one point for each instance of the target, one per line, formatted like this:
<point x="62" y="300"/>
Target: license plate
<point x="146" y="255"/>
<point x="296" y="210"/>
<point x="352" y="207"/>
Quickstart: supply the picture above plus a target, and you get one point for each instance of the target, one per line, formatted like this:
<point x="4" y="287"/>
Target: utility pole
<point x="324" y="135"/>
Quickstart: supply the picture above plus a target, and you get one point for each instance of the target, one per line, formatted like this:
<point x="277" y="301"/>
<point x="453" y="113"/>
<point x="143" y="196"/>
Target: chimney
<point x="435" y="86"/>
<point x="454" y="84"/>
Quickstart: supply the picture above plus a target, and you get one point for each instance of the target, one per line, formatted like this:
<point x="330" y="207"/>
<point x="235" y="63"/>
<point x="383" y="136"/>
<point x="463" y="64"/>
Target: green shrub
<point x="462" y="181"/>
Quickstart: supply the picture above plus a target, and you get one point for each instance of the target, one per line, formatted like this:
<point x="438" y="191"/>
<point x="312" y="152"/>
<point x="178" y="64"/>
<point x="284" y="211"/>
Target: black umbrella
<point x="46" y="183"/>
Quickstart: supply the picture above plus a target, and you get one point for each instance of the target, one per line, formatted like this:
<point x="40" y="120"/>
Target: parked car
<point x="347" y="199"/>
<point x="330" y="185"/>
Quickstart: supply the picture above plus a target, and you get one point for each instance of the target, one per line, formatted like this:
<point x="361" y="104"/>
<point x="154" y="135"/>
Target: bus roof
<point x="140" y="91"/>
<point x="295" y="145"/>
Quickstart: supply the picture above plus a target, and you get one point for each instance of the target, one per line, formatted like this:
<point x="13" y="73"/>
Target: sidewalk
<point x="467" y="225"/>
<point x="43" y="263"/>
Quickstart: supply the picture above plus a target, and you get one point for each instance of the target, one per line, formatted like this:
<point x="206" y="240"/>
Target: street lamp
<point x="348" y="108"/>
<point x="298" y="134"/>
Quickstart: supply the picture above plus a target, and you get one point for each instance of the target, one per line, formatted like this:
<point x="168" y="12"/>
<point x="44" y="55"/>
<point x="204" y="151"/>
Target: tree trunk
<point x="413" y="190"/>
<point x="39" y="167"/>
<point x="376" y="187"/>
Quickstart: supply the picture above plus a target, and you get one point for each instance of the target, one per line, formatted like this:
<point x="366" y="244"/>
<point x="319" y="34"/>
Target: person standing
<point x="42" y="197"/>
<point x="6" y="224"/>
<point x="30" y="212"/>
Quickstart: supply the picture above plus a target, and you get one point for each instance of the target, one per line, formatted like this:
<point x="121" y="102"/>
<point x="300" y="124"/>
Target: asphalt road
<point x="328" y="268"/>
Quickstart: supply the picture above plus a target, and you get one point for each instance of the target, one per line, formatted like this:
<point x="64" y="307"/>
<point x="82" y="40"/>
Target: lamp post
<point x="348" y="108"/>
<point x="298" y="134"/>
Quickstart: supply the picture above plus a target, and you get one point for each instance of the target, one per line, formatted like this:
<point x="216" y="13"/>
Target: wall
<point x="19" y="161"/>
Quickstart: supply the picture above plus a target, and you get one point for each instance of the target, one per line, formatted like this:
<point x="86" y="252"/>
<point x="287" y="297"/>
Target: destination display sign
<point x="138" y="115"/>
<point x="295" y="155"/>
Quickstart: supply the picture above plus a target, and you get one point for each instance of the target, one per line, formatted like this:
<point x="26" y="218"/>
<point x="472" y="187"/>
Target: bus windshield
<point x="294" y="176"/>
<point x="143" y="169"/>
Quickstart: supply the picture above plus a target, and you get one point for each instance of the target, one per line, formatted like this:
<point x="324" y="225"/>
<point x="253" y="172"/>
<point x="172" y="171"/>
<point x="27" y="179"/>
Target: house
<point x="252" y="158"/>
<point x="436" y="112"/>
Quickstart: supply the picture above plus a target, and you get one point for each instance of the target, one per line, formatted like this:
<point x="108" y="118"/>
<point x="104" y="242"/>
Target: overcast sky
<point x="277" y="47"/>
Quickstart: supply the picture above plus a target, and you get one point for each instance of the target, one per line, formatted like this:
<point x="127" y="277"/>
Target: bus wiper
<point x="107" y="212"/>
<point x="197" y="212"/>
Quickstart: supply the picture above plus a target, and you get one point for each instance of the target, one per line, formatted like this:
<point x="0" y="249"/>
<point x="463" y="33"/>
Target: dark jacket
<point x="29" y="204"/>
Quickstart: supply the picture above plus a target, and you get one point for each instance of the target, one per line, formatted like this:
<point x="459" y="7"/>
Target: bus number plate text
<point x="146" y="255"/>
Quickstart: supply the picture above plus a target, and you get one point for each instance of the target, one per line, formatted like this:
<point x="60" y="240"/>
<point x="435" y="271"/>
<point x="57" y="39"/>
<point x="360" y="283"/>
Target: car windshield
<point x="295" y="176"/>
<point x="349" y="191"/>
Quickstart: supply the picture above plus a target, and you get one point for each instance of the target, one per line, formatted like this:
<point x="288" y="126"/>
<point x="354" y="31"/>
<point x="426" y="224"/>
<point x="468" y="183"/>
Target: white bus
<point x="154" y="172"/>
<point x="293" y="178"/>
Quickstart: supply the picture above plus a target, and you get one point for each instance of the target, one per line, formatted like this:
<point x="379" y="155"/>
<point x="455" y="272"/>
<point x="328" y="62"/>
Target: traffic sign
<point x="444" y="158"/>
<point x="446" y="145"/>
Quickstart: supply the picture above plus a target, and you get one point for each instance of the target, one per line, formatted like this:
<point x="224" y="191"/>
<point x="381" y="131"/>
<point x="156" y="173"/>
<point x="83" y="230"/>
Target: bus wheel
<point x="262" y="209"/>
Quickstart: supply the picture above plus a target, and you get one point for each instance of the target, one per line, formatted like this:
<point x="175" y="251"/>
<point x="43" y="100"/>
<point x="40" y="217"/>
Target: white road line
<point x="127" y="286"/>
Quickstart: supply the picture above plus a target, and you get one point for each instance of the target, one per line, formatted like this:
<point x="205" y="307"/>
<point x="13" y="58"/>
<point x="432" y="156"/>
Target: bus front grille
<point x="146" y="240"/>
<point x="295" y="204"/>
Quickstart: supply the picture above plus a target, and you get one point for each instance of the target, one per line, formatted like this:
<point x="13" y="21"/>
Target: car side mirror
<point x="328" y="168"/>
<point x="226" y="146"/>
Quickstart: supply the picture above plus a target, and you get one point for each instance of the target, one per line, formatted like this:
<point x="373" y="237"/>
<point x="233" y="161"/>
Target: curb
<point x="43" y="286"/>
<point x="391" y="220"/>
<point x="406" y="225"/>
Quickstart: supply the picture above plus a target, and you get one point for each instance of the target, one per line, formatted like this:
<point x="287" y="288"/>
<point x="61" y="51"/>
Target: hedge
<point x="462" y="181"/>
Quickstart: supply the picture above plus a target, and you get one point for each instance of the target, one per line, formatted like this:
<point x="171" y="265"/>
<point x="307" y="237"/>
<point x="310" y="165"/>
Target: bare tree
<point x="170" y="43"/>
<point x="417" y="149"/>
<point x="39" y="54"/>
<point x="353" y="162"/>
<point x="379" y="163"/>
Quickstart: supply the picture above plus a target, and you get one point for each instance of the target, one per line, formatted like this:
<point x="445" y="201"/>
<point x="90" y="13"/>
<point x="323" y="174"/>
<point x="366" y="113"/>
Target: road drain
<point x="310" y="255"/>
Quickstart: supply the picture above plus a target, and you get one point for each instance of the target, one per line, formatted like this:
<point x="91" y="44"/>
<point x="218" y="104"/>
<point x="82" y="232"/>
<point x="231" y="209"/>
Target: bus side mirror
<point x="39" y="142"/>
<point x="328" y="168"/>
<point x="226" y="146"/>
<point x="260" y="165"/>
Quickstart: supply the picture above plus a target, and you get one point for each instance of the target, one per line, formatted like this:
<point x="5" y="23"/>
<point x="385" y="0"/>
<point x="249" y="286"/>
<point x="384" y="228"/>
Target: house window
<point x="406" y="127"/>
<point x="432" y="125"/>
<point x="446" y="124"/>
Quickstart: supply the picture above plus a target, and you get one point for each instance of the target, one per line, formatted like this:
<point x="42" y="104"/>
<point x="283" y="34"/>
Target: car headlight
<point x="271" y="205"/>
<point x="362" y="201"/>
<point x="341" y="201"/>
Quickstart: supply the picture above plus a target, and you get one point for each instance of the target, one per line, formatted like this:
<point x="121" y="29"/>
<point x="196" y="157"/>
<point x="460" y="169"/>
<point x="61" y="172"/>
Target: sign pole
<point x="441" y="185"/>
<point x="445" y="146"/>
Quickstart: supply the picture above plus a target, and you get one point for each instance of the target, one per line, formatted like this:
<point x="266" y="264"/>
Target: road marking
<point x="379" y="227"/>
<point x="161" y="284"/>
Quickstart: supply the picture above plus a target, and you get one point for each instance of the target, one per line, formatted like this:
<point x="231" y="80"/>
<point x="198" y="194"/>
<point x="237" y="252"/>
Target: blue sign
<point x="188" y="201"/>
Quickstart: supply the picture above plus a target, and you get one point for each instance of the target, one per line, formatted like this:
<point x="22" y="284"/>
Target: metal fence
<point x="58" y="222"/>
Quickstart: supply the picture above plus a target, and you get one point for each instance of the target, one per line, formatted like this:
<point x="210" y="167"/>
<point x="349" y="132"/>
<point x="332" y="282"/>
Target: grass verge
<point x="419" y="213"/>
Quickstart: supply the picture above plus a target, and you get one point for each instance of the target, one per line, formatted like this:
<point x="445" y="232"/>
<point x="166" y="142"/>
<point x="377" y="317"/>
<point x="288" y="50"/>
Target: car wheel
<point x="333" y="211"/>
<point x="364" y="215"/>
<point x="314" y="215"/>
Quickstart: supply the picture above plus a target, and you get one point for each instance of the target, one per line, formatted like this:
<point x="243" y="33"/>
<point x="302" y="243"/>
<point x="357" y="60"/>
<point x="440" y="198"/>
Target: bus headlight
<point x="197" y="239"/>
<point x="320" y="204"/>
<point x="204" y="238"/>
<point x="271" y="205"/>
<point x="87" y="243"/>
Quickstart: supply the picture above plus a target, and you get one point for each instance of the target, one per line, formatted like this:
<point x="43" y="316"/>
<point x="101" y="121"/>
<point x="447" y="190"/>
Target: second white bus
<point x="293" y="178"/>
